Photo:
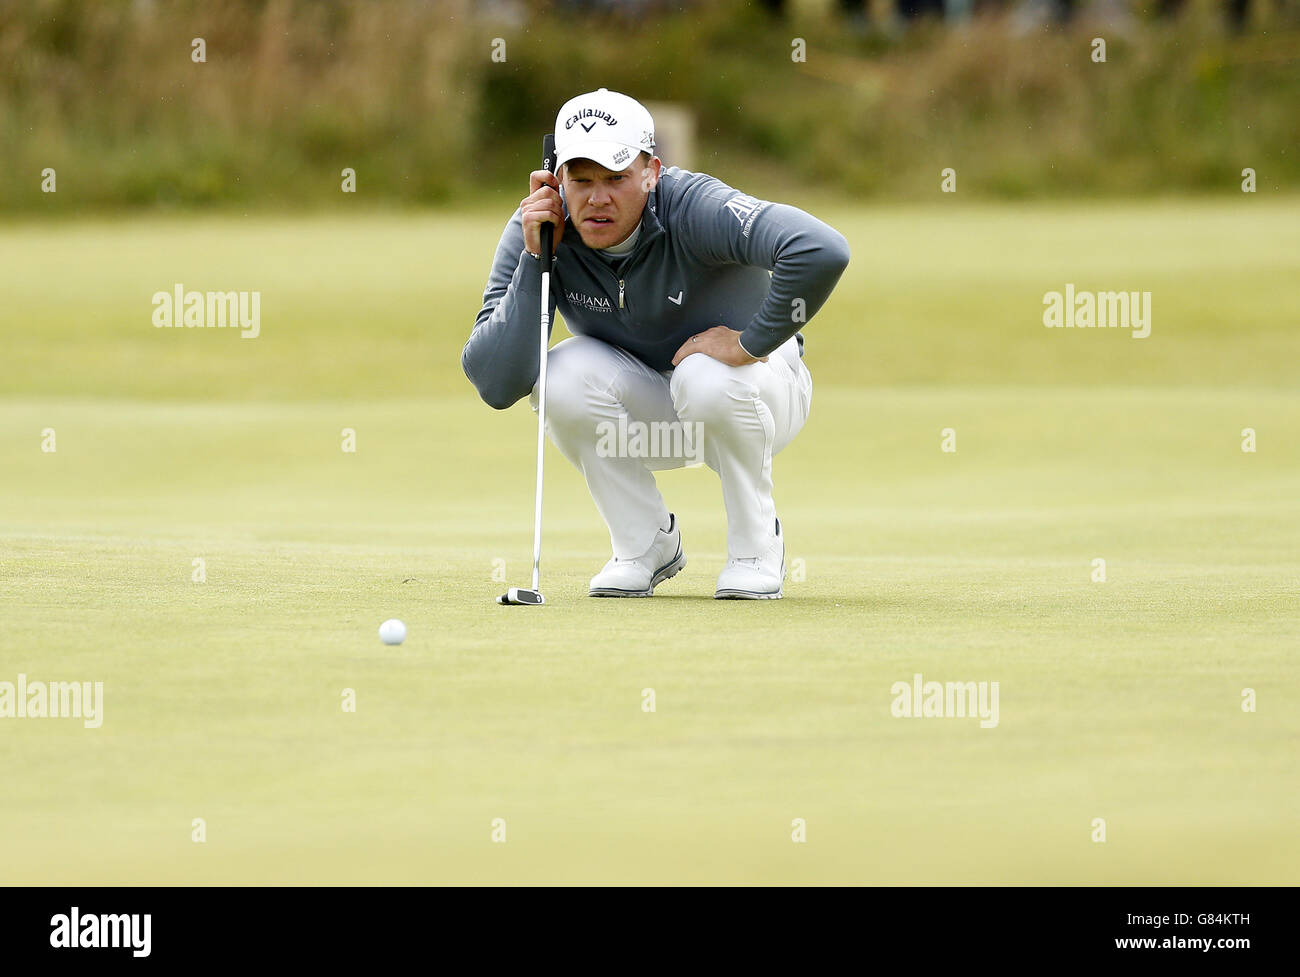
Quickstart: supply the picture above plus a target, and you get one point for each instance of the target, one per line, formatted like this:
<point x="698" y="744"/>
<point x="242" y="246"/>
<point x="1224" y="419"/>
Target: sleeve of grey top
<point x="502" y="354"/>
<point x="805" y="256"/>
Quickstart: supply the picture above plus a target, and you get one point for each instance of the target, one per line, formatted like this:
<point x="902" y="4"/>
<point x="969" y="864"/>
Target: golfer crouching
<point x="684" y="348"/>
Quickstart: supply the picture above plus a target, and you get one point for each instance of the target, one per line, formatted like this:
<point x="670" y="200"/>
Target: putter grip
<point x="548" y="230"/>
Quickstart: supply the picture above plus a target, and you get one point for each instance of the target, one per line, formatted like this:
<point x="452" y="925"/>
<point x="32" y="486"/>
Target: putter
<point x="519" y="595"/>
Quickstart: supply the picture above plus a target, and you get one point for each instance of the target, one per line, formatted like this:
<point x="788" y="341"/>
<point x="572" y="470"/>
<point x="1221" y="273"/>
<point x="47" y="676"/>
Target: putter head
<point x="521" y="595"/>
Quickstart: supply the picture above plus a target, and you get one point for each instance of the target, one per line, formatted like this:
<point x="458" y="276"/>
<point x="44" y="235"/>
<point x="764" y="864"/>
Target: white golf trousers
<point x="745" y="414"/>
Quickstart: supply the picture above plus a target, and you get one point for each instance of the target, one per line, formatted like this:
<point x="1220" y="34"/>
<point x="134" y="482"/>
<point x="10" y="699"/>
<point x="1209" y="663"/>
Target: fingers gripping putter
<point x="520" y="595"/>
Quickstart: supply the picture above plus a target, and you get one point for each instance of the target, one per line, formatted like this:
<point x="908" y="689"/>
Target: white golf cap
<point x="604" y="126"/>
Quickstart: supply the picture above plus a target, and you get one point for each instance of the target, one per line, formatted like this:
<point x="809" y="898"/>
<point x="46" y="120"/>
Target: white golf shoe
<point x="640" y="577"/>
<point x="757" y="577"/>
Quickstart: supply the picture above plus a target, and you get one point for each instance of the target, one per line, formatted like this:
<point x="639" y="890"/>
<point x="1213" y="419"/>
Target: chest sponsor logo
<point x="588" y="302"/>
<point x="745" y="208"/>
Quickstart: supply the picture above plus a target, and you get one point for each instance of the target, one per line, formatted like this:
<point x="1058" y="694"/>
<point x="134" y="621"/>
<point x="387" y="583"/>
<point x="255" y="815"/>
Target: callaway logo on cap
<point x="604" y="126"/>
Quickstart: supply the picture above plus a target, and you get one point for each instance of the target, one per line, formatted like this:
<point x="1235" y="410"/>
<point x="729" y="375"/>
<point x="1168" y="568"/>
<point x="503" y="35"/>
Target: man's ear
<point x="650" y="175"/>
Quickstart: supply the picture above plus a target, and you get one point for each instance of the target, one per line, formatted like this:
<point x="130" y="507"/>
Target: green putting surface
<point x="222" y="700"/>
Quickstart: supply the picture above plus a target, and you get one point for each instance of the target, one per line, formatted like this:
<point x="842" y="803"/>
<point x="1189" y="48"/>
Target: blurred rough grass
<point x="290" y="94"/>
<point x="408" y="94"/>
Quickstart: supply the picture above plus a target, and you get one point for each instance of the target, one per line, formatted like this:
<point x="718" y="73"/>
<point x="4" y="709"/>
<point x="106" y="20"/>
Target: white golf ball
<point x="392" y="632"/>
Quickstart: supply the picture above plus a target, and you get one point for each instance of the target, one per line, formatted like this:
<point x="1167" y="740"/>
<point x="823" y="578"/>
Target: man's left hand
<point x="719" y="342"/>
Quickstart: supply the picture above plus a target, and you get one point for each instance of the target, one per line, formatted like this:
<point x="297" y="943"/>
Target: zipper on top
<point x="622" y="287"/>
<point x="622" y="284"/>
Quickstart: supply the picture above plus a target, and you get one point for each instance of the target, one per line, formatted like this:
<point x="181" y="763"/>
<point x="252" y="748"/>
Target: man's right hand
<point x="542" y="206"/>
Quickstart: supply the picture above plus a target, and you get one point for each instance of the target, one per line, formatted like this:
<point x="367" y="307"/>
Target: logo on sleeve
<point x="745" y="208"/>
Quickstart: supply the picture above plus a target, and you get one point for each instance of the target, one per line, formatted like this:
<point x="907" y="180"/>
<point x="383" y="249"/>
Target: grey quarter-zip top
<point x="707" y="255"/>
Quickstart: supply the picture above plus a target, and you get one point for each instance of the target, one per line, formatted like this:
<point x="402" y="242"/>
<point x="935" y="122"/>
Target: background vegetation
<point x="407" y="93"/>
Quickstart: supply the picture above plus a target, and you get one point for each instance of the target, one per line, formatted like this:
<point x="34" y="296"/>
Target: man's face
<point x="605" y="205"/>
